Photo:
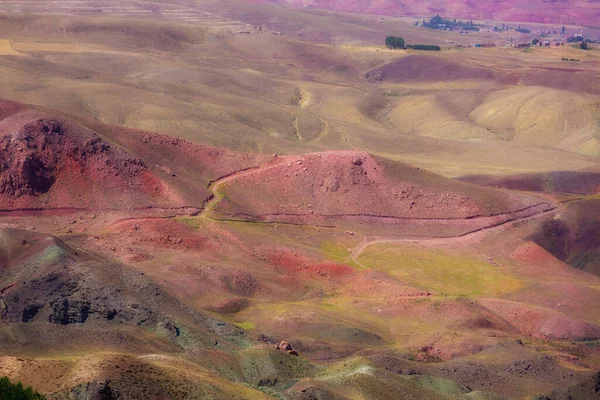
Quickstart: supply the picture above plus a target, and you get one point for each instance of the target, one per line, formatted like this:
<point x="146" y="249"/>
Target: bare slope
<point x="427" y="68"/>
<point x="329" y="188"/>
<point x="51" y="163"/>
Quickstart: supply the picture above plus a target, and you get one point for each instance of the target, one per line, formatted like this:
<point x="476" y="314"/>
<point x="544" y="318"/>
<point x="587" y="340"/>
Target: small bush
<point x="12" y="391"/>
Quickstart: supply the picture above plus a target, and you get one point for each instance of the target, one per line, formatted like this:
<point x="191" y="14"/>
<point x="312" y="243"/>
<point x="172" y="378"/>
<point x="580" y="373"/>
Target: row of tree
<point x="430" y="47"/>
<point x="396" y="42"/>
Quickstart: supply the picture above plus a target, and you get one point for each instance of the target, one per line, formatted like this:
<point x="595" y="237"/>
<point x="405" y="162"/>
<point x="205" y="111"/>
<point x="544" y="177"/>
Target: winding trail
<point x="217" y="185"/>
<point x="60" y="211"/>
<point x="441" y="239"/>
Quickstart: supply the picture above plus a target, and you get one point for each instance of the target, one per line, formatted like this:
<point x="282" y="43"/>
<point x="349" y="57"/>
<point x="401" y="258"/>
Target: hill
<point x="578" y="11"/>
<point x="368" y="193"/>
<point x="53" y="163"/>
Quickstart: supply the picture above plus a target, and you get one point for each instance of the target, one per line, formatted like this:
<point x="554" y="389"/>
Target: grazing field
<point x="455" y="275"/>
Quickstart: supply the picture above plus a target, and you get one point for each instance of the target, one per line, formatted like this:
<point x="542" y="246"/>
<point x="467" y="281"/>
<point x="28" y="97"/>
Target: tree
<point x="437" y="20"/>
<point x="11" y="391"/>
<point x="564" y="30"/>
<point x="394" y="42"/>
<point x="535" y="41"/>
<point x="584" y="45"/>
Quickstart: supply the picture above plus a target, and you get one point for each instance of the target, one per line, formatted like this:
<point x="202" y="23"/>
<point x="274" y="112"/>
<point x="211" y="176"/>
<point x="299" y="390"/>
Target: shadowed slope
<point x="573" y="236"/>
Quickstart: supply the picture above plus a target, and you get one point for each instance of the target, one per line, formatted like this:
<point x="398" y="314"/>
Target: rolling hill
<point x="563" y="12"/>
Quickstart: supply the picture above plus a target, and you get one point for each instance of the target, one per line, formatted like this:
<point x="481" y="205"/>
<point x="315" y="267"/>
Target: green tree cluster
<point x="12" y="391"/>
<point x="394" y="42"/>
<point x="584" y="45"/>
<point x="437" y="20"/>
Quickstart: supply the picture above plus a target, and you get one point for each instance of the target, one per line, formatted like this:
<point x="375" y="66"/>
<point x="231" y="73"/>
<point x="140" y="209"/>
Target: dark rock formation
<point x="94" y="391"/>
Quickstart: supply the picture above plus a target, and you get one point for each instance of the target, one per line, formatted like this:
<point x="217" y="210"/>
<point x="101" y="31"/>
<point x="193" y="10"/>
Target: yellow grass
<point x="443" y="272"/>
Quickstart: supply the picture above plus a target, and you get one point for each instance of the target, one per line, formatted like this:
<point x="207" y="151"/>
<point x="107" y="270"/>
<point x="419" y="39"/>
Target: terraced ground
<point x="316" y="216"/>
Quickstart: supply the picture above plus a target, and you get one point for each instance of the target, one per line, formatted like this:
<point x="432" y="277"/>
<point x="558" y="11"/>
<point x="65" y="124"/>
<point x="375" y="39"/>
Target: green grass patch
<point x="246" y="325"/>
<point x="446" y="273"/>
<point x="51" y="255"/>
<point x="338" y="253"/>
<point x="444" y="386"/>
<point x="192" y="222"/>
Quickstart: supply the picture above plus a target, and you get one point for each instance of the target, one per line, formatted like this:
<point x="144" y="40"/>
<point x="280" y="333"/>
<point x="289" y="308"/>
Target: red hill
<point x="359" y="191"/>
<point x="49" y="162"/>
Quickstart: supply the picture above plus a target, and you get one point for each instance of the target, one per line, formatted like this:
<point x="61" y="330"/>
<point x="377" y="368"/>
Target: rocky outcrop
<point x="33" y="156"/>
<point x="284" y="345"/>
<point x="96" y="390"/>
<point x="65" y="311"/>
<point x="63" y="298"/>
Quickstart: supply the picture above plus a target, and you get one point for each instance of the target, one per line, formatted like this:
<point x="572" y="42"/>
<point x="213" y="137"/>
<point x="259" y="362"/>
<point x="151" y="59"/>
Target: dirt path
<point x="215" y="185"/>
<point x="443" y="239"/>
<point x="62" y="211"/>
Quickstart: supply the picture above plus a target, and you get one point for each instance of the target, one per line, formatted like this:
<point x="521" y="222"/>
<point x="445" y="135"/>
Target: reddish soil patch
<point x="47" y="162"/>
<point x="542" y="323"/>
<point x="539" y="261"/>
<point x="186" y="165"/>
<point x="50" y="163"/>
<point x="564" y="296"/>
<point x="162" y="233"/>
<point x="295" y="264"/>
<point x="337" y="187"/>
<point x="418" y="68"/>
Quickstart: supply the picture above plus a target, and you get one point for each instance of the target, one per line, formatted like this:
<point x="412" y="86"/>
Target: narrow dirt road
<point x="443" y="239"/>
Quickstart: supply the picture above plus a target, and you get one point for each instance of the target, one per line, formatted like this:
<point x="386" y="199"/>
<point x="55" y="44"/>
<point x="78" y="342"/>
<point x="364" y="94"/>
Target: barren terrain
<point x="223" y="200"/>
